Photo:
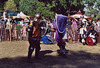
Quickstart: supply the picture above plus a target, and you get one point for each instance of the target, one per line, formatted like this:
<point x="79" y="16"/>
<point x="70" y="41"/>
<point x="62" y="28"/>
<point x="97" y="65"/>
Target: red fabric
<point x="89" y="41"/>
<point x="79" y="13"/>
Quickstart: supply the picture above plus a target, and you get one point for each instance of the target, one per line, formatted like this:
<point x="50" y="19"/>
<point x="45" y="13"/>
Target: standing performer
<point x="34" y="37"/>
<point x="61" y="34"/>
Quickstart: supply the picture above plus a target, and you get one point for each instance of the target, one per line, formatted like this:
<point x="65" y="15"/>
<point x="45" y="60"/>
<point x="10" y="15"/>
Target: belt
<point x="36" y="38"/>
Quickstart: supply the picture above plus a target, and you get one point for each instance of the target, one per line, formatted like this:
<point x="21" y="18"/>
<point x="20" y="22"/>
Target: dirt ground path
<point x="14" y="55"/>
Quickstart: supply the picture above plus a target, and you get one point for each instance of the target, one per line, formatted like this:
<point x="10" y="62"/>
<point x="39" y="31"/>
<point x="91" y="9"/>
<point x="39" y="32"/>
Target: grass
<point x="14" y="55"/>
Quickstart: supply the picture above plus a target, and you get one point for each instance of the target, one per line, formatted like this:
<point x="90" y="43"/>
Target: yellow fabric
<point x="79" y="17"/>
<point x="21" y="17"/>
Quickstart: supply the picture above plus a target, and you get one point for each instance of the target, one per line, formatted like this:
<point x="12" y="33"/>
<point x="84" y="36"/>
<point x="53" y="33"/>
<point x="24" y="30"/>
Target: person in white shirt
<point x="4" y="16"/>
<point x="98" y="23"/>
<point x="18" y="15"/>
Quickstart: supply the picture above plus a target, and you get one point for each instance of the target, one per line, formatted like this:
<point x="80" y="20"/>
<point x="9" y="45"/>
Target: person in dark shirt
<point x="34" y="37"/>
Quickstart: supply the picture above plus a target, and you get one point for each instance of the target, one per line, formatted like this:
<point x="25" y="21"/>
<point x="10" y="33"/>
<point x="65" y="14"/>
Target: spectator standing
<point x="98" y="23"/>
<point x="69" y="31"/>
<point x="8" y="30"/>
<point x="4" y="16"/>
<point x="14" y="32"/>
<point x="1" y="30"/>
<point x="19" y="28"/>
<point x="18" y="15"/>
<point x="74" y="28"/>
<point x="24" y="32"/>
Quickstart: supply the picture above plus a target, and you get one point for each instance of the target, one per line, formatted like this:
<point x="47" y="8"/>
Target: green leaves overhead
<point x="93" y="8"/>
<point x="31" y="7"/>
<point x="10" y="5"/>
<point x="49" y="7"/>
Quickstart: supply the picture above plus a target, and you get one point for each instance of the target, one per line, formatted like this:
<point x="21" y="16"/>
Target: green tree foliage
<point x="92" y="13"/>
<point x="32" y="7"/>
<point x="93" y="8"/>
<point x="68" y="6"/>
<point x="97" y="4"/>
<point x="10" y="5"/>
<point x="2" y="5"/>
<point x="48" y="7"/>
<point x="17" y="3"/>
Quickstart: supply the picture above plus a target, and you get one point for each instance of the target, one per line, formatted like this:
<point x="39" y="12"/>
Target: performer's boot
<point x="64" y="49"/>
<point x="60" y="51"/>
<point x="29" y="56"/>
<point x="60" y="47"/>
<point x="37" y="53"/>
<point x="64" y="52"/>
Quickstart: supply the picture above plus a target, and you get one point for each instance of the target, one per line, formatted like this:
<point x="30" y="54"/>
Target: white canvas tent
<point x="78" y="14"/>
<point x="22" y="15"/>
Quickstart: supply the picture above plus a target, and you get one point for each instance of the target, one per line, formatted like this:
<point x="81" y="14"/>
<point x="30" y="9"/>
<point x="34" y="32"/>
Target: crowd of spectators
<point x="12" y="29"/>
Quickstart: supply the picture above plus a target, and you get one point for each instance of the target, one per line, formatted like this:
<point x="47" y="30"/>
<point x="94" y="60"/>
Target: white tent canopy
<point x="78" y="15"/>
<point x="22" y="14"/>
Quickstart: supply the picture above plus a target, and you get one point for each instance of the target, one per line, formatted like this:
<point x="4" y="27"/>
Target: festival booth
<point x="10" y="13"/>
<point x="22" y="15"/>
<point x="78" y="15"/>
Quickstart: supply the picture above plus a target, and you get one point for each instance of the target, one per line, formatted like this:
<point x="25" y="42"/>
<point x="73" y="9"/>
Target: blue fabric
<point x="9" y="13"/>
<point x="45" y="40"/>
<point x="58" y="36"/>
<point x="61" y="23"/>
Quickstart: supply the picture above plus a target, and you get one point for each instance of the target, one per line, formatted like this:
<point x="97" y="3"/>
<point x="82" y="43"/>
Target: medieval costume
<point x="34" y="37"/>
<point x="61" y="35"/>
<point x="92" y="36"/>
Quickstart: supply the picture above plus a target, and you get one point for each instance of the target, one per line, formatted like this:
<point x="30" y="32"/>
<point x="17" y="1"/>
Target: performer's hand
<point x="53" y="30"/>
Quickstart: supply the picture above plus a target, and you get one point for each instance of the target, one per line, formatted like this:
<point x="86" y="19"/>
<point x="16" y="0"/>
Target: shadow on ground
<point x="79" y="59"/>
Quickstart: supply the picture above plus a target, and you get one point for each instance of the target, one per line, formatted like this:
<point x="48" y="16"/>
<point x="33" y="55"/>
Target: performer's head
<point x="37" y="17"/>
